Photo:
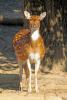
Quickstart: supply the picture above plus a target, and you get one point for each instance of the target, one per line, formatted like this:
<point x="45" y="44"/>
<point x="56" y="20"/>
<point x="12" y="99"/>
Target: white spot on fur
<point x="35" y="35"/>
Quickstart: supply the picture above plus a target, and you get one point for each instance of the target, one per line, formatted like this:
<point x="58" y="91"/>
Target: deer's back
<point x="21" y="43"/>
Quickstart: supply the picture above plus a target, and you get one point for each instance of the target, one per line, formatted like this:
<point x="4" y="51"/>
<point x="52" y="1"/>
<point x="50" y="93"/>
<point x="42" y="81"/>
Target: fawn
<point x="29" y="48"/>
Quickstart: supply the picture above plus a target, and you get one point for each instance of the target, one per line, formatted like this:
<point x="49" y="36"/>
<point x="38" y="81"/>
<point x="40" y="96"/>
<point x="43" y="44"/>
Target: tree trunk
<point x="52" y="31"/>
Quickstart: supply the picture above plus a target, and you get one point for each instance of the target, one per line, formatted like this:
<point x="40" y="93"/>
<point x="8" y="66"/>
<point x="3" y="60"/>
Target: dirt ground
<point x="50" y="84"/>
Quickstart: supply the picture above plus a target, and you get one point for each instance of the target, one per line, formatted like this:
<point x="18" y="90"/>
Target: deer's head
<point x="34" y="20"/>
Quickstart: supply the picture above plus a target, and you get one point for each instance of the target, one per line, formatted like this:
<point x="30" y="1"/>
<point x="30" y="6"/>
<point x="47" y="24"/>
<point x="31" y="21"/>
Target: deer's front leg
<point x="20" y="73"/>
<point x="29" y="80"/>
<point x="37" y="64"/>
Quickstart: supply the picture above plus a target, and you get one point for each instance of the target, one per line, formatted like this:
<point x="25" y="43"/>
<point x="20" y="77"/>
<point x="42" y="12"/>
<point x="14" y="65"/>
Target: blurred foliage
<point x="35" y="7"/>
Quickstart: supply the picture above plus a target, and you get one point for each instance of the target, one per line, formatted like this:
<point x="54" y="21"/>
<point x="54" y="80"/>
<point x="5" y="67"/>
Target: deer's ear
<point x="42" y="15"/>
<point x="27" y="14"/>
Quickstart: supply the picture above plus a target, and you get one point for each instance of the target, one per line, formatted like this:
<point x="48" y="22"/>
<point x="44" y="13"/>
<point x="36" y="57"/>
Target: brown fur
<point x="24" y="45"/>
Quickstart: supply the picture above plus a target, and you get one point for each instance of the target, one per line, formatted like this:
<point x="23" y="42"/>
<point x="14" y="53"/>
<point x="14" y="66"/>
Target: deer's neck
<point x="35" y="35"/>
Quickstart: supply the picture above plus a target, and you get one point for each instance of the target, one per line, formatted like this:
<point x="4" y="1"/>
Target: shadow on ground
<point x="9" y="81"/>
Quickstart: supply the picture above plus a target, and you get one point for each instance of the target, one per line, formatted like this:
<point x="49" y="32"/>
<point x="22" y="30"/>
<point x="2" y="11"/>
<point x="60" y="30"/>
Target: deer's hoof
<point x="37" y="91"/>
<point x="29" y="91"/>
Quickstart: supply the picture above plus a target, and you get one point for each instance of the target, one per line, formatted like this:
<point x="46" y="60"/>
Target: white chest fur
<point x="35" y="35"/>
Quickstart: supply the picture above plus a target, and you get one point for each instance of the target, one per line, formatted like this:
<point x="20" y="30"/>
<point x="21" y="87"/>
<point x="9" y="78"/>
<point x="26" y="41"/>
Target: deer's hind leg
<point x="26" y="70"/>
<point x="20" y="73"/>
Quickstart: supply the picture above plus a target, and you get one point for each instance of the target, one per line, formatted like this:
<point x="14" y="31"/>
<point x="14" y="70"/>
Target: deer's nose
<point x="34" y="26"/>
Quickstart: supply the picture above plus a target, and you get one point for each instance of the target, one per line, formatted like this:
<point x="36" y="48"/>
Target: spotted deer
<point x="29" y="48"/>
